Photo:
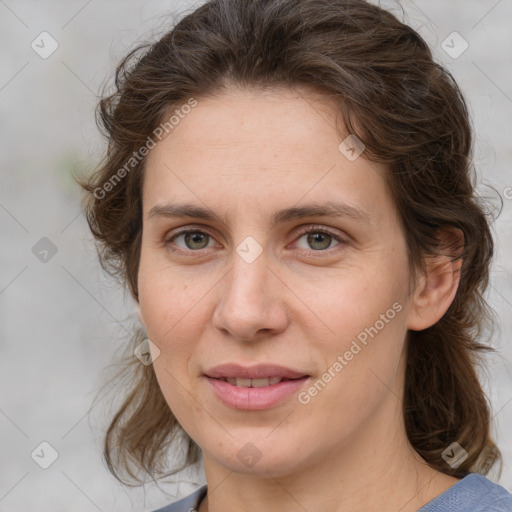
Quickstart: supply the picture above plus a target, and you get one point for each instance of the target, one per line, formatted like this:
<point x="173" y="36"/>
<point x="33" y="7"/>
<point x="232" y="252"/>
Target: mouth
<point x="260" y="372"/>
<point x="254" y="388"/>
<point x="263" y="382"/>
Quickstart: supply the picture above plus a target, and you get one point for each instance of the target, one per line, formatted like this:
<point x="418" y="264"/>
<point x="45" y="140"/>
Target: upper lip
<point x="253" y="372"/>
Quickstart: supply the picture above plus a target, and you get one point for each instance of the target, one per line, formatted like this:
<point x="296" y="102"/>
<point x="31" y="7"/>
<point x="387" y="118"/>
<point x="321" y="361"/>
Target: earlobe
<point x="436" y="289"/>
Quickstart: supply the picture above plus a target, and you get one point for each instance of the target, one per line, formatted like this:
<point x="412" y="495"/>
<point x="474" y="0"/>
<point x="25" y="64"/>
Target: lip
<point x="253" y="372"/>
<point x="254" y="398"/>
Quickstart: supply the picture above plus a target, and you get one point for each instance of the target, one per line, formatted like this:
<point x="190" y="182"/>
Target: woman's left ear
<point x="436" y="289"/>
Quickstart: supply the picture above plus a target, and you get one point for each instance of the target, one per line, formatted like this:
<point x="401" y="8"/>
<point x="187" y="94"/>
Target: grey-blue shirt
<point x="474" y="493"/>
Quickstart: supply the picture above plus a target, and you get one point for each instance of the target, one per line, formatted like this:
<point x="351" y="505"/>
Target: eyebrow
<point x="328" y="209"/>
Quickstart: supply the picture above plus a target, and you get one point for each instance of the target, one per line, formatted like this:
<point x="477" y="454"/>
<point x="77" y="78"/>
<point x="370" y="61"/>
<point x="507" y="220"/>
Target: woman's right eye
<point x="192" y="241"/>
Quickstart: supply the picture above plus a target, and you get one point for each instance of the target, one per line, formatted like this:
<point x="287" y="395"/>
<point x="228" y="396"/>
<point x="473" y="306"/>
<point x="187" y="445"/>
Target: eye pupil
<point x="193" y="238"/>
<point x="322" y="238"/>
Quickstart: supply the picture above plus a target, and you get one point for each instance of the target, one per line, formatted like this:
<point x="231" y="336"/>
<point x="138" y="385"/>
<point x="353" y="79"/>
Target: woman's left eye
<point x="318" y="239"/>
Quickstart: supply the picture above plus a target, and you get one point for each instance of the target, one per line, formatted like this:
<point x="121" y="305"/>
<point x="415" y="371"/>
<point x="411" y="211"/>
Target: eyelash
<point x="305" y="231"/>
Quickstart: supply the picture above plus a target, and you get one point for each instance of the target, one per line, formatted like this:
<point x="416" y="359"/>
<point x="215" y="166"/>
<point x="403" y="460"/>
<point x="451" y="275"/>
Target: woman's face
<point x="301" y="262"/>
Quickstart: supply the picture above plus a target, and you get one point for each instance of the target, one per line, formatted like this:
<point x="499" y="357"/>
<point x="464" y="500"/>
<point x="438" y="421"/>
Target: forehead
<point x="245" y="149"/>
<point x="251" y="121"/>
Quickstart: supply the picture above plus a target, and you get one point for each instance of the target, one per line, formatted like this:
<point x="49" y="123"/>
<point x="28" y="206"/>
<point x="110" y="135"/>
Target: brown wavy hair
<point x="409" y="113"/>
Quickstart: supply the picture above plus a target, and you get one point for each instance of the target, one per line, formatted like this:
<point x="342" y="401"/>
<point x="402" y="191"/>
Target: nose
<point x="252" y="301"/>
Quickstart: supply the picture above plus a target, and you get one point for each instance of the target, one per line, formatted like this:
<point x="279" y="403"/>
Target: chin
<point x="260" y="459"/>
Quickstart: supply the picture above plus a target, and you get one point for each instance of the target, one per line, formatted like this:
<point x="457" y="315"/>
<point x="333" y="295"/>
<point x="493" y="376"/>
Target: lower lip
<point x="255" y="399"/>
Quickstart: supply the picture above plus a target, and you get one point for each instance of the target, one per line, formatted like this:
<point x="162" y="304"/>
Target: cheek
<point x="169" y="306"/>
<point x="166" y="297"/>
<point x="347" y="303"/>
<point x="361" y="366"/>
<point x="365" y="312"/>
<point x="174" y="308"/>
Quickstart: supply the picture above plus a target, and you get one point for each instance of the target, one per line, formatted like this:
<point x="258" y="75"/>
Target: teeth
<point x="255" y="383"/>
<point x="260" y="383"/>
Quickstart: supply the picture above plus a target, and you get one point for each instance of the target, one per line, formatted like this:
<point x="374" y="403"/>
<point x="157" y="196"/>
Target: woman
<point x="287" y="195"/>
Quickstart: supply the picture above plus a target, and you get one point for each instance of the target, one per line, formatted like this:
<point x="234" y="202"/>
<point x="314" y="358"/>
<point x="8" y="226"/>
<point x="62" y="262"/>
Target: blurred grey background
<point x="63" y="321"/>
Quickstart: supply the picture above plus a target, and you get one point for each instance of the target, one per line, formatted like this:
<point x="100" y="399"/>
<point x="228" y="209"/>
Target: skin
<point x="246" y="154"/>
